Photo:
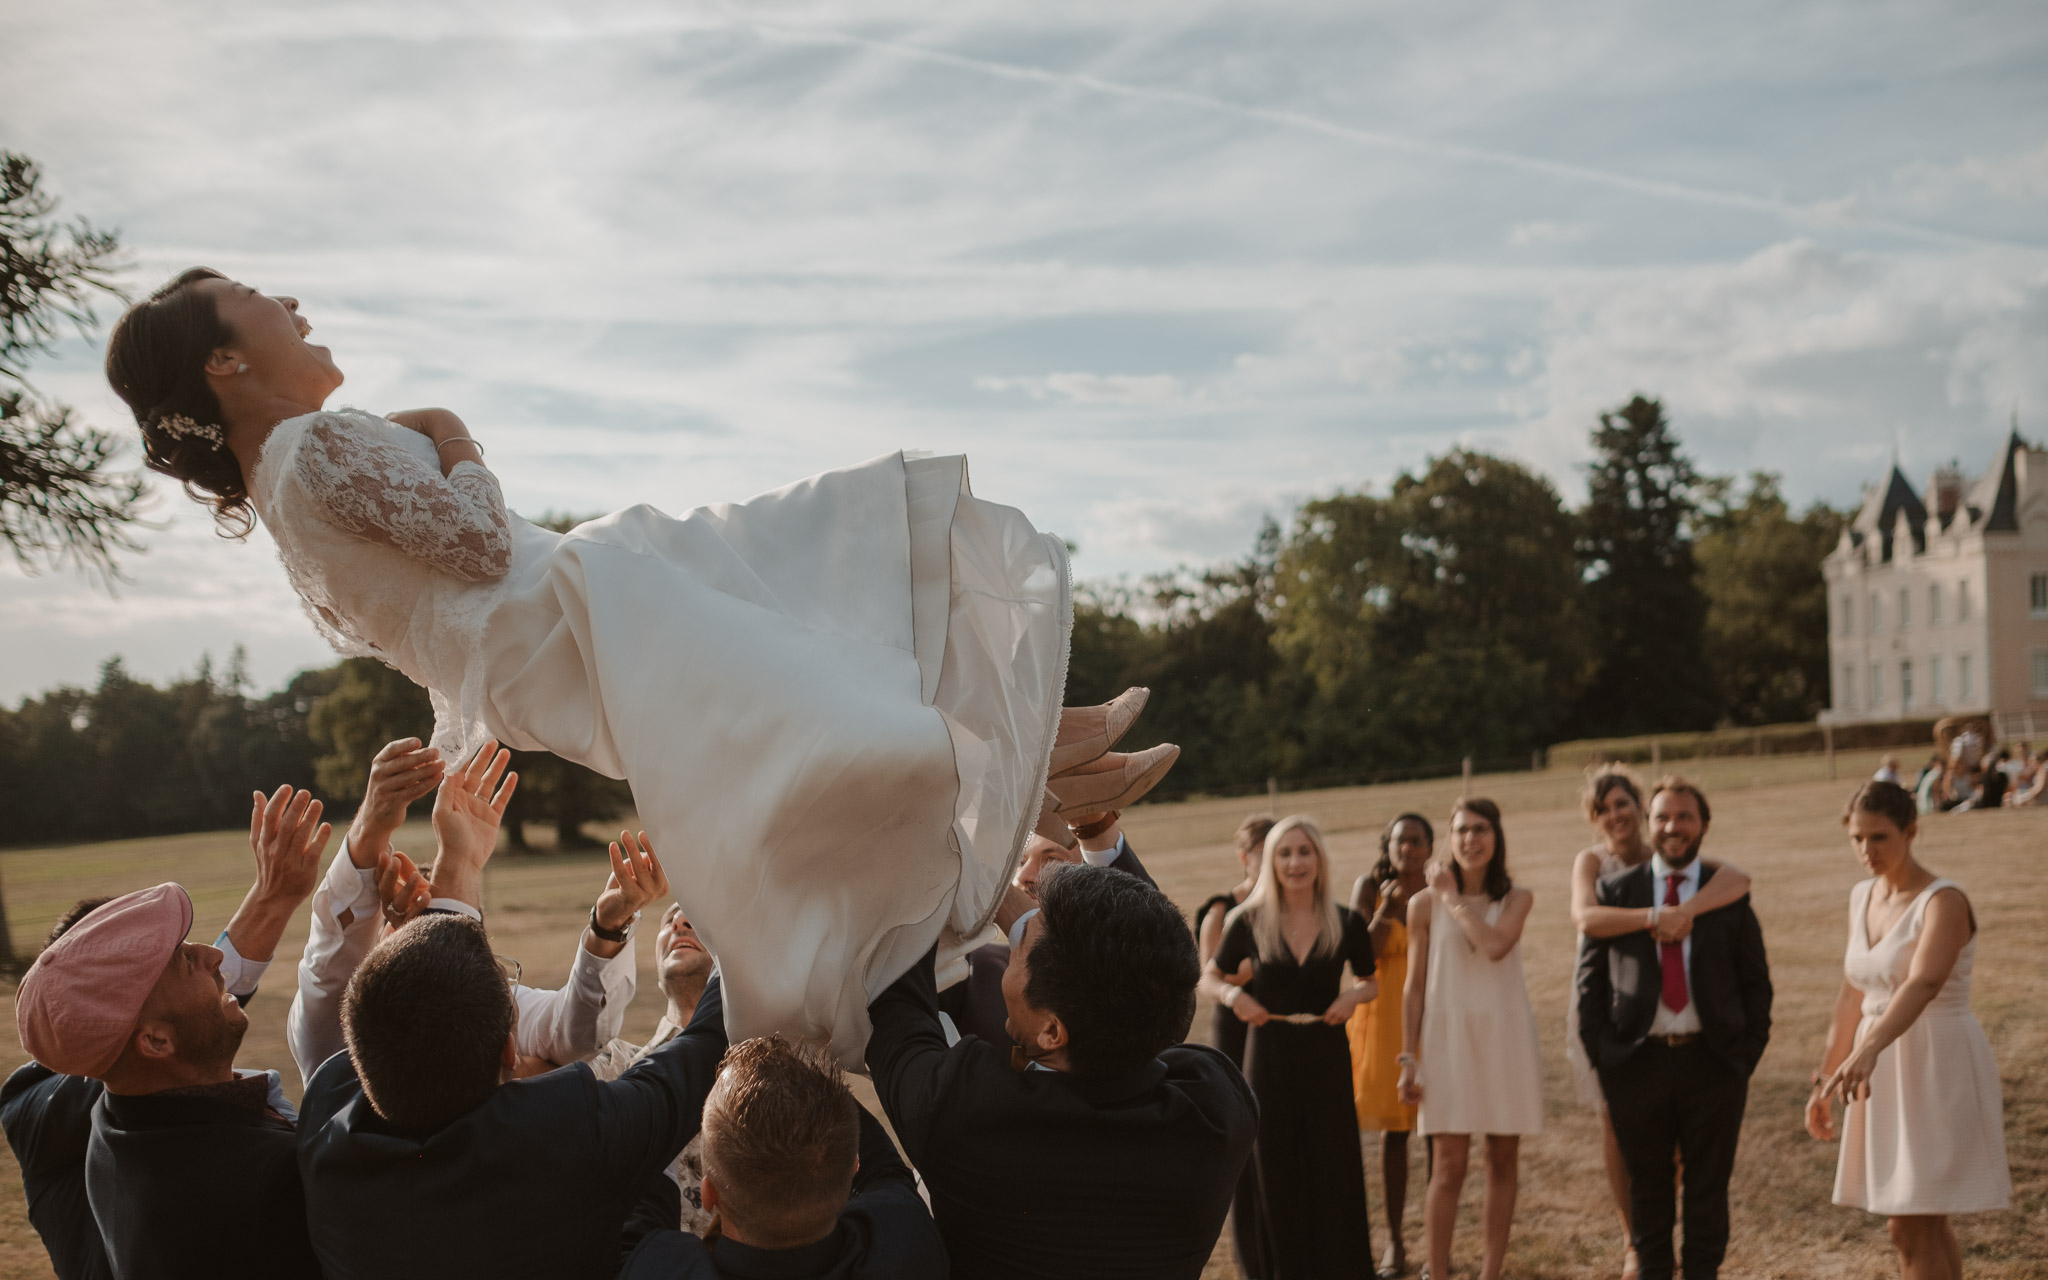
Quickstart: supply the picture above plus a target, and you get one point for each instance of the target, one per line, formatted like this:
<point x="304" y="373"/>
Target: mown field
<point x="1775" y="816"/>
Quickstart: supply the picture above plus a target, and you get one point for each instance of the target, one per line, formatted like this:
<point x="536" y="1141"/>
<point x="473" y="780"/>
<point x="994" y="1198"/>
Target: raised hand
<point x="402" y="889"/>
<point x="637" y="879"/>
<point x="287" y="837"/>
<point x="467" y="813"/>
<point x="401" y="773"/>
<point x="1442" y="881"/>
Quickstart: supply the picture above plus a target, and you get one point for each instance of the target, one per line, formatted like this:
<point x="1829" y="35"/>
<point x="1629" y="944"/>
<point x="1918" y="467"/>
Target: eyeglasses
<point x="510" y="968"/>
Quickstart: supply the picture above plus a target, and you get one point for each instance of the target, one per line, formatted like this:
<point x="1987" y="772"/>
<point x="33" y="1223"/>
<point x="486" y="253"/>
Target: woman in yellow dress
<point x="1381" y="897"/>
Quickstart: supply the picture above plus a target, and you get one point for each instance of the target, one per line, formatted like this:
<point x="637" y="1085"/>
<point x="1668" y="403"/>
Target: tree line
<point x="1468" y="612"/>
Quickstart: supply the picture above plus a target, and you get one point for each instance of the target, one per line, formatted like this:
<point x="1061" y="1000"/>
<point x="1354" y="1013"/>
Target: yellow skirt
<point x="1375" y="1034"/>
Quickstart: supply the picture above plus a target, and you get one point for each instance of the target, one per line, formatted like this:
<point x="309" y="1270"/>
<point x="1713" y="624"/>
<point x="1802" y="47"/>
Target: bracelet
<point x="612" y="935"/>
<point x="1230" y="995"/>
<point x="1405" y="1059"/>
<point x="459" y="440"/>
<point x="1655" y="912"/>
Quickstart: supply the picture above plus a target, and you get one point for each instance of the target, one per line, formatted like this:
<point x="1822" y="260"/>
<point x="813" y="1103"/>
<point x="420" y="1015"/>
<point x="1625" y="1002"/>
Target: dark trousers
<point x="1672" y="1103"/>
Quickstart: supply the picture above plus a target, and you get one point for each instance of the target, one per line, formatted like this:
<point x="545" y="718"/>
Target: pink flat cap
<point x="80" y="1000"/>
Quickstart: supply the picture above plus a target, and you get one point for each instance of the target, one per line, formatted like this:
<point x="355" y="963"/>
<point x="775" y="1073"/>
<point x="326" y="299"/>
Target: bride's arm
<point x="378" y="491"/>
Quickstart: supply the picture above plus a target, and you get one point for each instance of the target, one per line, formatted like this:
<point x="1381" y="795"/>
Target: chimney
<point x="1945" y="493"/>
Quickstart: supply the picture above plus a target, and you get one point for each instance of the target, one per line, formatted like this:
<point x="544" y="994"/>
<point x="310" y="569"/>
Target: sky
<point x="1158" y="269"/>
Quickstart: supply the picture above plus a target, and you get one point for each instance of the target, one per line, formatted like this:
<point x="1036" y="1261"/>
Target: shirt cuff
<point x="351" y="890"/>
<point x="240" y="973"/>
<point x="1103" y="857"/>
<point x="455" y="906"/>
<point x="1017" y="929"/>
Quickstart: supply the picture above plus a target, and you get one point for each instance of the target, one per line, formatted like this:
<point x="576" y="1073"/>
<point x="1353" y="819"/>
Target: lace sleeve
<point x="376" y="490"/>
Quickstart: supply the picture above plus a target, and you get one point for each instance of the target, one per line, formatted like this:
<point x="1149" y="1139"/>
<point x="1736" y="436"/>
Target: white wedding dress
<point x="835" y="703"/>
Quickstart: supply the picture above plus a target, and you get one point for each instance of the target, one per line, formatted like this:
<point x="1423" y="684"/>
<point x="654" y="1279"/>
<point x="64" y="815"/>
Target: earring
<point x="241" y="368"/>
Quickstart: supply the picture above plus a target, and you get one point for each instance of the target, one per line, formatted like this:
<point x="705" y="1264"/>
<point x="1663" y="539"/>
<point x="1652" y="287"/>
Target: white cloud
<point x="1544" y="232"/>
<point x="1093" y="388"/>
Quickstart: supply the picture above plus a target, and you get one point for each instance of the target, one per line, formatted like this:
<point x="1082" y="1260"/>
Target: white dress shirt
<point x="1685" y="1021"/>
<point x="563" y="1025"/>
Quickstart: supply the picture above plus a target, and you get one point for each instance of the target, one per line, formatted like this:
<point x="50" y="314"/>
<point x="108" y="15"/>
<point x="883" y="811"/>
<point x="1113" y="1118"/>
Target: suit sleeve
<point x="880" y="1165"/>
<point x="1593" y="984"/>
<point x="1127" y="861"/>
<point x="650" y="1113"/>
<point x="1753" y="979"/>
<point x="906" y="1052"/>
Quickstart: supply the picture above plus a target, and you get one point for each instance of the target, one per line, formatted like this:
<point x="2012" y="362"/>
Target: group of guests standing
<point x="1406" y="1011"/>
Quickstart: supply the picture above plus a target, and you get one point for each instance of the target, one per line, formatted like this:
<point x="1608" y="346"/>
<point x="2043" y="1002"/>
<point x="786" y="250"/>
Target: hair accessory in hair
<point x="179" y="427"/>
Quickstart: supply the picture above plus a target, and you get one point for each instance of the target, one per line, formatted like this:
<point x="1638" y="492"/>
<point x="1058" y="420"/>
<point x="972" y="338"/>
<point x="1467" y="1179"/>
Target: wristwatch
<point x="612" y="935"/>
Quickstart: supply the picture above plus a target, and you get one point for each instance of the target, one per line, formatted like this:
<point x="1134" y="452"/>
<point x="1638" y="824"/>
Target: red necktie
<point x="1675" y="995"/>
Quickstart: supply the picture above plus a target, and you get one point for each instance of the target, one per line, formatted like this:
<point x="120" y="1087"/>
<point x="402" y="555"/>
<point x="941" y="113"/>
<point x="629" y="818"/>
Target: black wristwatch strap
<point x="611" y="935"/>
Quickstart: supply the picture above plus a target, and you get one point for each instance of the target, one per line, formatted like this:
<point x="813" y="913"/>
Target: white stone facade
<point x="1939" y="605"/>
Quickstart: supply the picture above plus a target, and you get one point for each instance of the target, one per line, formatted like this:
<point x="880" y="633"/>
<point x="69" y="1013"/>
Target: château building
<point x="1938" y="602"/>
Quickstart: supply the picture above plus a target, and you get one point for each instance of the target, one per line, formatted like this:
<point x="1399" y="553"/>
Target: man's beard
<point x="210" y="1039"/>
<point x="1684" y="857"/>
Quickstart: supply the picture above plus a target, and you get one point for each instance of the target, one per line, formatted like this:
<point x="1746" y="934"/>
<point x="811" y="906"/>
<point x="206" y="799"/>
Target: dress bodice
<point x="1287" y="986"/>
<point x="1877" y="969"/>
<point x="391" y="559"/>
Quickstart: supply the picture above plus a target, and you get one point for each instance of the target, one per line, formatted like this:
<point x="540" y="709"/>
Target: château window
<point x="1963" y="690"/>
<point x="1848" y="624"/>
<point x="2041" y="673"/>
<point x="1847" y="701"/>
<point x="1876" y="684"/>
<point x="1905" y="607"/>
<point x="1934" y="604"/>
<point x="1876" y="614"/>
<point x="1906" y="685"/>
<point x="2037" y="595"/>
<point x="1934" y="694"/>
<point x="1963" y="600"/>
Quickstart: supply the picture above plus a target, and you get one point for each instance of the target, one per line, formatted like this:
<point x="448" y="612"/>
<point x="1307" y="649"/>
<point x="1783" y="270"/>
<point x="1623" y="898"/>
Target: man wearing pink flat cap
<point x="63" y="1007"/>
<point x="188" y="1159"/>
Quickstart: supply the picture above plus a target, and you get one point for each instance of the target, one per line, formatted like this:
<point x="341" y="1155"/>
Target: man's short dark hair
<point x="1115" y="962"/>
<point x="77" y="911"/>
<point x="781" y="1139"/>
<point x="426" y="1016"/>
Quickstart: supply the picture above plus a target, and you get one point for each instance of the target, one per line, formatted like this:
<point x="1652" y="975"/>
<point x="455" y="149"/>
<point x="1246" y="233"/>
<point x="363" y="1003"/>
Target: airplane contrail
<point x="1802" y="215"/>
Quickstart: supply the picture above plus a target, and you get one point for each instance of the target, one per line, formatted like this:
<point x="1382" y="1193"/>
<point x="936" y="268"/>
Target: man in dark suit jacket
<point x="975" y="1002"/>
<point x="805" y="1183"/>
<point x="1114" y="1151"/>
<point x="1675" y="1030"/>
<point x="422" y="1157"/>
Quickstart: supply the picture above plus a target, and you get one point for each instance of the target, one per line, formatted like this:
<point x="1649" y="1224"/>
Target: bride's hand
<point x="435" y="424"/>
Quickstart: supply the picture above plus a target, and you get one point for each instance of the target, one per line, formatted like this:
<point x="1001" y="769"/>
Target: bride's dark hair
<point x="156" y="361"/>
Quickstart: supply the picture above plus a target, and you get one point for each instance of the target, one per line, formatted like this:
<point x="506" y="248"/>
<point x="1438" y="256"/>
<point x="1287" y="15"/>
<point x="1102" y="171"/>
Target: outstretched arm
<point x="287" y="837"/>
<point x="577" y="1019"/>
<point x="381" y="493"/>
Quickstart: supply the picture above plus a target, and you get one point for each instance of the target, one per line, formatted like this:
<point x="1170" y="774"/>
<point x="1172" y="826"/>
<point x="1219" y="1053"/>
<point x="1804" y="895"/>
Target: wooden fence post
<point x="1656" y="755"/>
<point x="1468" y="776"/>
<point x="1272" y="791"/>
<point x="1827" y="737"/>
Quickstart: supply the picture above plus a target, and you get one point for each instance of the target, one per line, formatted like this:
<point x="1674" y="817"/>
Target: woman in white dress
<point x="1613" y="802"/>
<point x="1469" y="1056"/>
<point x="1923" y="1135"/>
<point x="838" y="703"/>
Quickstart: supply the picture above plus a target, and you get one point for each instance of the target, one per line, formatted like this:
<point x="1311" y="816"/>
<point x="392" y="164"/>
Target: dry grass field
<point x="1776" y="817"/>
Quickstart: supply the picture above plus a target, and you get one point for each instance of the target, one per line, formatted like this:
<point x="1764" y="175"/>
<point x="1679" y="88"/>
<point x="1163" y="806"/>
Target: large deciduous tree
<point x="1766" y="638"/>
<point x="1642" y="584"/>
<point x="62" y="499"/>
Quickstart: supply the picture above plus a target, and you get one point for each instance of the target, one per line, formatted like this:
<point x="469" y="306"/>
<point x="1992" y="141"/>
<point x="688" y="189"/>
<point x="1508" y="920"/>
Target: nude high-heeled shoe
<point x="1053" y="827"/>
<point x="1087" y="733"/>
<point x="1112" y="781"/>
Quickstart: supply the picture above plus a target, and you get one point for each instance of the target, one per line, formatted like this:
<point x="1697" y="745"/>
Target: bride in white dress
<point x="838" y="703"/>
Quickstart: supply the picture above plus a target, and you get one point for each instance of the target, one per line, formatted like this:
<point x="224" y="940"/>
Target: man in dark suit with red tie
<point x="1675" y="1030"/>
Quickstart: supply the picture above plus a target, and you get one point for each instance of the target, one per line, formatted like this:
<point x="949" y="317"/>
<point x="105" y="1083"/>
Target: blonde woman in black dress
<point x="1307" y="1191"/>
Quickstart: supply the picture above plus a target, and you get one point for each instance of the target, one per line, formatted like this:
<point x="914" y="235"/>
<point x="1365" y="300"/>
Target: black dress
<point x="1300" y="1212"/>
<point x="1226" y="1029"/>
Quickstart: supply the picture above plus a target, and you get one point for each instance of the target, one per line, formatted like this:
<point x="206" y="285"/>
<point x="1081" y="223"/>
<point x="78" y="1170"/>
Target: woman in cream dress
<point x="1923" y="1135"/>
<point x="838" y="703"/>
<point x="1470" y="1062"/>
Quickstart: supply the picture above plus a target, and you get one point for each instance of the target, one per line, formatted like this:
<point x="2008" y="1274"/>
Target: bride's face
<point x="270" y="338"/>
